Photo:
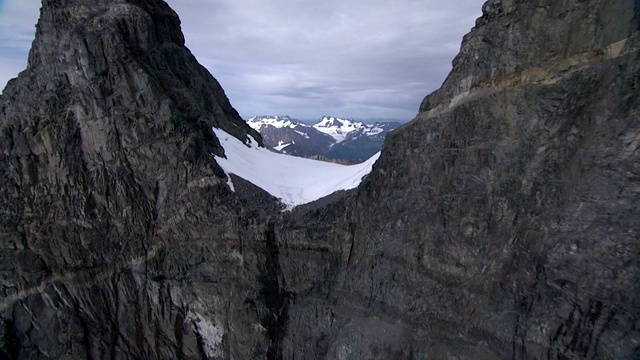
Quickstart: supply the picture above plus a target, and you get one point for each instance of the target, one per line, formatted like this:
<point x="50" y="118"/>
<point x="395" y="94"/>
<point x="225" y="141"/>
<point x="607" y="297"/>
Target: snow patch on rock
<point x="210" y="334"/>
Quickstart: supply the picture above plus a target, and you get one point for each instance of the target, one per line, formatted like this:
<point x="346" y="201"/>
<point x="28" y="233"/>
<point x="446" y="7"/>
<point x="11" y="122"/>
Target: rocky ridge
<point x="330" y="139"/>
<point x="501" y="223"/>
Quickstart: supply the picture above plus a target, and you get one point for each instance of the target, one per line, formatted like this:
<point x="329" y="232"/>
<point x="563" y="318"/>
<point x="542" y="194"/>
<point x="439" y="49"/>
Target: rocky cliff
<point x="119" y="236"/>
<point x="501" y="223"/>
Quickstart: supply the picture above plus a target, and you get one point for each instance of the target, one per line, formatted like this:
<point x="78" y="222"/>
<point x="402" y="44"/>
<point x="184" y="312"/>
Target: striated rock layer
<point x="501" y="223"/>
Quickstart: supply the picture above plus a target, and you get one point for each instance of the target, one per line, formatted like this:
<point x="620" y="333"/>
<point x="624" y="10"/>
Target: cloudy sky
<point x="304" y="58"/>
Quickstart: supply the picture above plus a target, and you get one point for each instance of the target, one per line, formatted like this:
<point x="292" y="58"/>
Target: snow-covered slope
<point x="294" y="180"/>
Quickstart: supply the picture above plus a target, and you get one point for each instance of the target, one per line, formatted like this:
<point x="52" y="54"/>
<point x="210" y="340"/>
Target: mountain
<point x="330" y="138"/>
<point x="291" y="137"/>
<point x="109" y="192"/>
<point x="354" y="140"/>
<point x="500" y="223"/>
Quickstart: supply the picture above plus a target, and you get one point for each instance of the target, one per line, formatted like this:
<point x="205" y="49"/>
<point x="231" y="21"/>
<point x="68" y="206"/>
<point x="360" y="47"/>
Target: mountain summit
<point x="330" y="138"/>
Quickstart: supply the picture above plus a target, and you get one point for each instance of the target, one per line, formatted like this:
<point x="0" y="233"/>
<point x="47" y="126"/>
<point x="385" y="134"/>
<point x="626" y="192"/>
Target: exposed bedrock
<point x="501" y="223"/>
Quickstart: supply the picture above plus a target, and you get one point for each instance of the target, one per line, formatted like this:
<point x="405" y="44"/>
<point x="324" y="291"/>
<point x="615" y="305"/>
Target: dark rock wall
<point x="501" y="223"/>
<point x="119" y="237"/>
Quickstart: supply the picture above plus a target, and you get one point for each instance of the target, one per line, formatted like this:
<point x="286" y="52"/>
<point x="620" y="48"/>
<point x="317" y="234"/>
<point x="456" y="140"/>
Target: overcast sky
<point x="304" y="58"/>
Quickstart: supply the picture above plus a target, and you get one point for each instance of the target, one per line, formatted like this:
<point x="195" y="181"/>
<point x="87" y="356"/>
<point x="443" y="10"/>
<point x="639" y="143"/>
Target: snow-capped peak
<point x="337" y="128"/>
<point x="280" y="121"/>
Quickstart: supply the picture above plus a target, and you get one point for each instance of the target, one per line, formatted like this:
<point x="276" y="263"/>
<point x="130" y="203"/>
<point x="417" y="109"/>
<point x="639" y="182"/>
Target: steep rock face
<point x="119" y="237"/>
<point x="503" y="221"/>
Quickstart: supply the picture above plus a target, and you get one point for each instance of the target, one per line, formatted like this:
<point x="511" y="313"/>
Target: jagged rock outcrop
<point x="119" y="236"/>
<point x="501" y="223"/>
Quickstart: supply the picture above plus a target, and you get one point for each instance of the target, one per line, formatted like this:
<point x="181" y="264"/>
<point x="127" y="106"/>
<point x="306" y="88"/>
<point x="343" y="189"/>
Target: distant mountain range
<point x="331" y="138"/>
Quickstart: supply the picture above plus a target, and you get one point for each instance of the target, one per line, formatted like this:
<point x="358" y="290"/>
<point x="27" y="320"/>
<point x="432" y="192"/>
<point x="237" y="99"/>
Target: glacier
<point x="294" y="180"/>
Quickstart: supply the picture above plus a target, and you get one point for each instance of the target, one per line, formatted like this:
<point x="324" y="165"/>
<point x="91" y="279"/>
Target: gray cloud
<point x="308" y="58"/>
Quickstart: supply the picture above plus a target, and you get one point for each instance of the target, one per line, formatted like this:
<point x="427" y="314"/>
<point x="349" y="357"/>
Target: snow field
<point x="294" y="180"/>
